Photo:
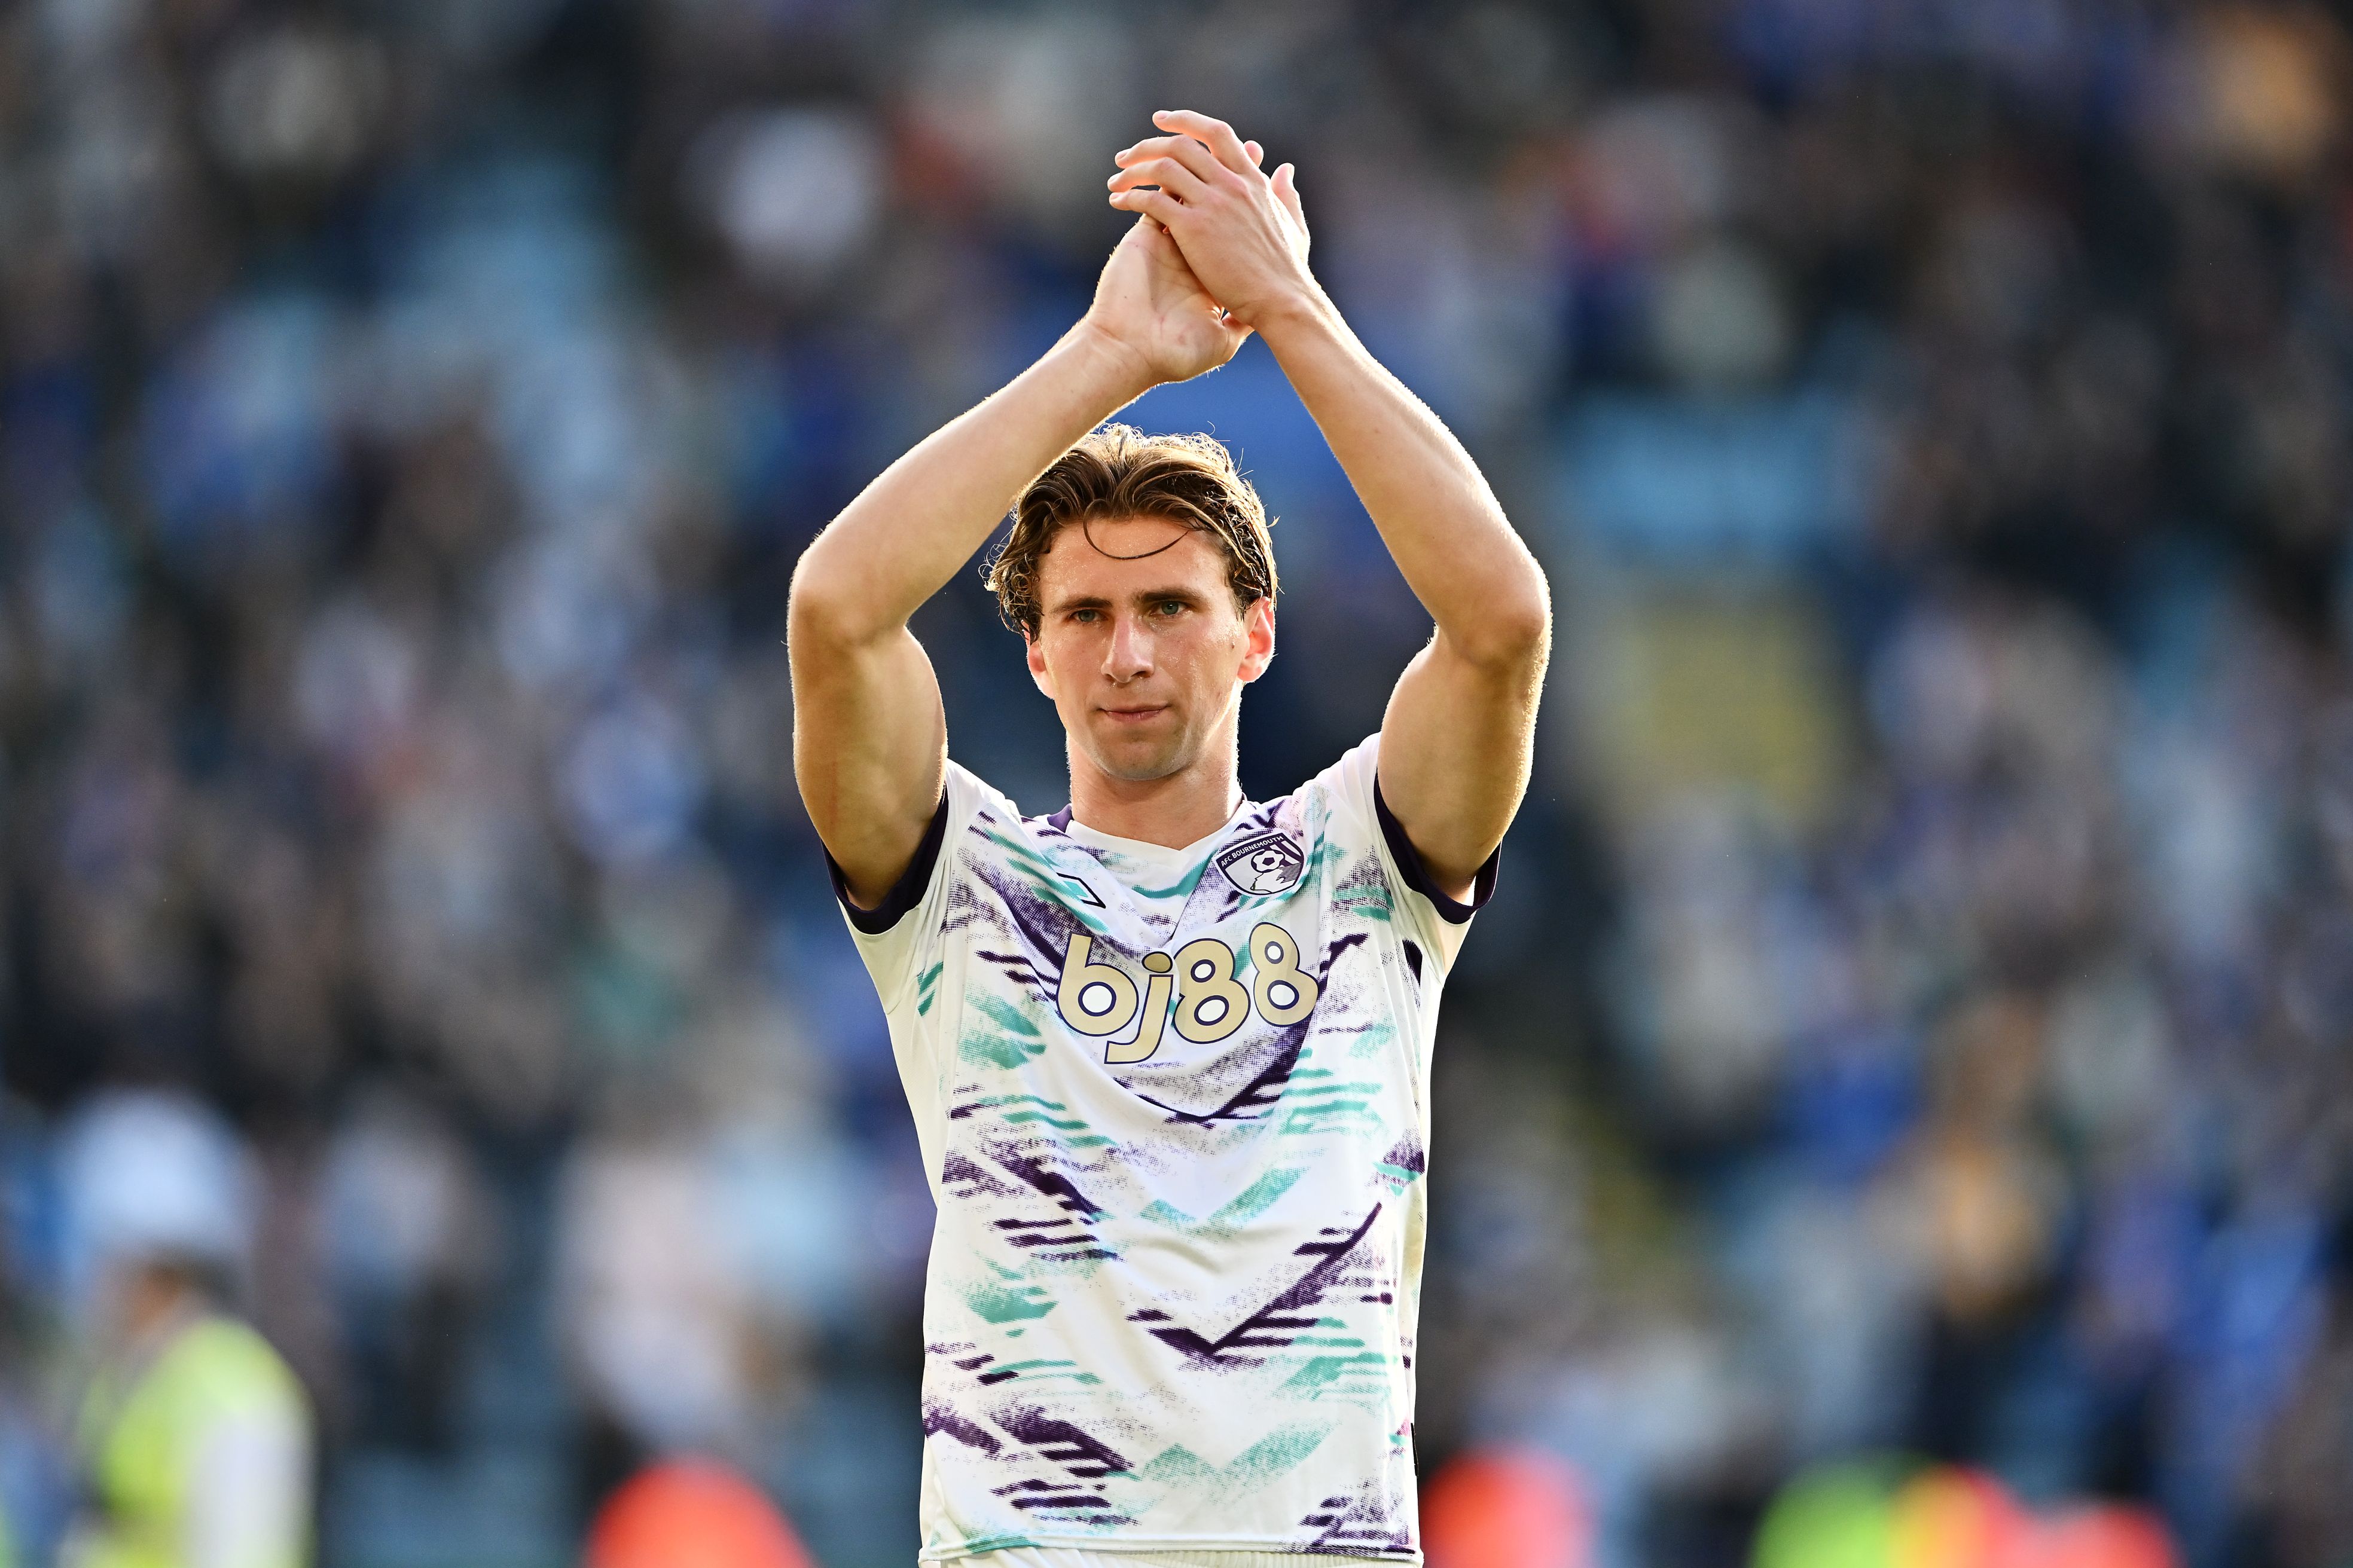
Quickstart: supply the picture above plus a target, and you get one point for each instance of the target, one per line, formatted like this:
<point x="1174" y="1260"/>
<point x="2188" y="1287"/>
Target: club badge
<point x="1263" y="863"/>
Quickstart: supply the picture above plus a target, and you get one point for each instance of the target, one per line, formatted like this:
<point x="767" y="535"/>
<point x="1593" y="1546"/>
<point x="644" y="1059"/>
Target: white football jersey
<point x="1174" y="1106"/>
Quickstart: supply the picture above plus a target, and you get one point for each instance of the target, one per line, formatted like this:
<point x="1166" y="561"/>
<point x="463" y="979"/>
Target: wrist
<point x="1298" y="313"/>
<point x="1120" y="369"/>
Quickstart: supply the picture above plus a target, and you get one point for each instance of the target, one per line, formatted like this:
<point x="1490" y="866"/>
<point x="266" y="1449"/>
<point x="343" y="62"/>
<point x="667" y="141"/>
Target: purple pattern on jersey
<point x="1277" y="1324"/>
<point x="1169" y="1298"/>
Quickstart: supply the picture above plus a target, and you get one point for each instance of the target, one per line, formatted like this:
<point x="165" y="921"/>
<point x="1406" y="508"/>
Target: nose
<point x="1129" y="656"/>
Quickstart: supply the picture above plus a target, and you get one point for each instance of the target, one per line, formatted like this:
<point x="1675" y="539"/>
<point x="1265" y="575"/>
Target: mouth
<point x="1133" y="715"/>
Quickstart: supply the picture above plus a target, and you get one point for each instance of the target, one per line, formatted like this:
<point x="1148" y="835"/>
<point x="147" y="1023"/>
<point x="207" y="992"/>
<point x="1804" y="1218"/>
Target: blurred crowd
<point x="1918" y="1013"/>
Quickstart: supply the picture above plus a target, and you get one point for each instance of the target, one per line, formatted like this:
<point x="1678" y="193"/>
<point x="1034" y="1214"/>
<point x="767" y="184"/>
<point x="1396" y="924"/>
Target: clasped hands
<point x="1219" y="250"/>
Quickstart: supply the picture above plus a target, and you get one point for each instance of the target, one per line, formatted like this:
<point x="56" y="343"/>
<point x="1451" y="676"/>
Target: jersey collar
<point x="1087" y="838"/>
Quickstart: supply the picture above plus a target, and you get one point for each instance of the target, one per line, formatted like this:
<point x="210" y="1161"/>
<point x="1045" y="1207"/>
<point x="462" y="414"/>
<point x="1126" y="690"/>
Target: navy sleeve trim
<point x="1416" y="875"/>
<point x="907" y="891"/>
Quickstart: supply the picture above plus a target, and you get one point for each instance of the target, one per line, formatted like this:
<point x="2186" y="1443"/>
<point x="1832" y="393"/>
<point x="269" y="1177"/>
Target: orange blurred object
<point x="1951" y="1518"/>
<point x="692" y="1513"/>
<point x="1507" y="1508"/>
<point x="2104" y="1536"/>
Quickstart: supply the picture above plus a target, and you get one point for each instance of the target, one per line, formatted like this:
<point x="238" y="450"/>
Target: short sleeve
<point x="900" y="937"/>
<point x="1352" y="786"/>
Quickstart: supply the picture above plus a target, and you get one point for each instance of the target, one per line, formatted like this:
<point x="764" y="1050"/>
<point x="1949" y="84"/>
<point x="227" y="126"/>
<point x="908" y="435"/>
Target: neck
<point x="154" y="1312"/>
<point x="1172" y="812"/>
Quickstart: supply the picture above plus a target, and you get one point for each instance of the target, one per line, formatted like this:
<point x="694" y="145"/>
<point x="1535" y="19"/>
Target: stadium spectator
<point x="195" y="1437"/>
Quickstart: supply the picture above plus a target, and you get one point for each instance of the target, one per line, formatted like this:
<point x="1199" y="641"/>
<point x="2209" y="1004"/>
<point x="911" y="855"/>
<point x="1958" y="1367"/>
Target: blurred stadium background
<point x="1917" y="1016"/>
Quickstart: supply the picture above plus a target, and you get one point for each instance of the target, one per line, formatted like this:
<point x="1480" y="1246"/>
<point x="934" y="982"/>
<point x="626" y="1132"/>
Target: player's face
<point x="1145" y="659"/>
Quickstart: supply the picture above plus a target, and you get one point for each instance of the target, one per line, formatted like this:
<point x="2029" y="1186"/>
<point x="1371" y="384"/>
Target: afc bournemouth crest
<point x="1263" y="863"/>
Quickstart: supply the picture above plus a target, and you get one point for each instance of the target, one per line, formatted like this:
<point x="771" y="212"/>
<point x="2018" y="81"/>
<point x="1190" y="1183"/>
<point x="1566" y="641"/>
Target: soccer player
<point x="1166" y="1049"/>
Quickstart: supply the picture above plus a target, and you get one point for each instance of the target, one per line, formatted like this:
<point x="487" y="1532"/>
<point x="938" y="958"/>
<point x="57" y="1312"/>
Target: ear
<point x="1257" y="626"/>
<point x="1037" y="658"/>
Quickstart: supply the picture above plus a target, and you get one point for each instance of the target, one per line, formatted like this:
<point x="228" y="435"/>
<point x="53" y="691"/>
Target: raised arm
<point x="870" y="740"/>
<point x="1457" y="741"/>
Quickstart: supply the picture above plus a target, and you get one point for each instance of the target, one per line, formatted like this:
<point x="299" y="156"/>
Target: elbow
<point x="1513" y="631"/>
<point x="819" y="609"/>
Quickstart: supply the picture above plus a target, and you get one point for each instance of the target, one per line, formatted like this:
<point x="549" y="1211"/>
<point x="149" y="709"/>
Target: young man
<point x="1166" y="1049"/>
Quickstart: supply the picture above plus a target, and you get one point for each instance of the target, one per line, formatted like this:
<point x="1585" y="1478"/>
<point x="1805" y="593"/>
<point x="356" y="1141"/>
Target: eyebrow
<point x="1149" y="596"/>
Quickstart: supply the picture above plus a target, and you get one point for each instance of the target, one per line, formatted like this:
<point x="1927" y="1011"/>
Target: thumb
<point x="1286" y="186"/>
<point x="1288" y="193"/>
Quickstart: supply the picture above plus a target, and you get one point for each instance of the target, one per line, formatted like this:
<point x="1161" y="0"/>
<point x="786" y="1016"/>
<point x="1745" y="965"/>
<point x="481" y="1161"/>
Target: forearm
<point x="1434" y="506"/>
<point x="917" y="524"/>
<point x="1455" y="755"/>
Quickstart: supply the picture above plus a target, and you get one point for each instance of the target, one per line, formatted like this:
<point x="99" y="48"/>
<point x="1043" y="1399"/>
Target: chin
<point x="1141" y="761"/>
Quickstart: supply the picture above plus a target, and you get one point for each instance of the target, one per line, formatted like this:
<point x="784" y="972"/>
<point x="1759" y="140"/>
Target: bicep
<point x="870" y="750"/>
<point x="1457" y="747"/>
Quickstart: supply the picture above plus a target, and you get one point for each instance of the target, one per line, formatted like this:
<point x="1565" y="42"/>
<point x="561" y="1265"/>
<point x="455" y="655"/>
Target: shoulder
<point x="1349" y="787"/>
<point x="230" y="1364"/>
<point x="1350" y="790"/>
<point x="983" y="821"/>
<point x="970" y="796"/>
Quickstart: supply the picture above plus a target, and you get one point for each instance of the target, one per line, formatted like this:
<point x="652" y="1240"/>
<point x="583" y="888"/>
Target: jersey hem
<point x="1138" y="1545"/>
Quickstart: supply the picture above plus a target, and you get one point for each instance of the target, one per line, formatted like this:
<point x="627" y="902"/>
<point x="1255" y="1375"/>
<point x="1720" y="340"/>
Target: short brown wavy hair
<point x="1118" y="472"/>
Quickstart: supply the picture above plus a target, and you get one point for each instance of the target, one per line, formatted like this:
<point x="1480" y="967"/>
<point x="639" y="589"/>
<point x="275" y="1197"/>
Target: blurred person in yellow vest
<point x="194" y="1437"/>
